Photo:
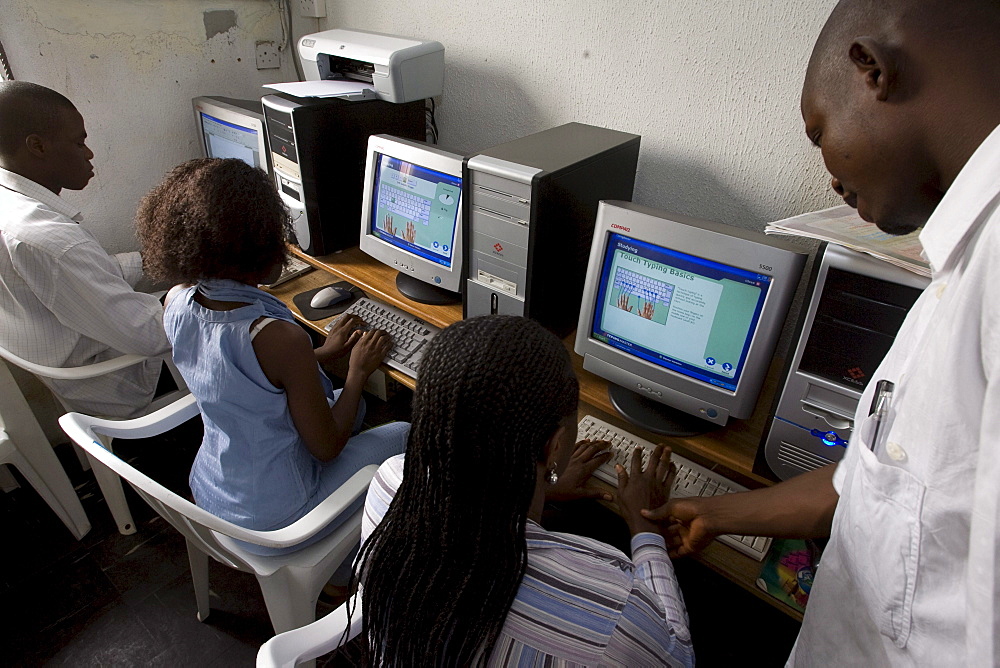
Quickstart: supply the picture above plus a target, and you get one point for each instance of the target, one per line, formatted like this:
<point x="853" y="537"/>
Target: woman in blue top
<point x="274" y="448"/>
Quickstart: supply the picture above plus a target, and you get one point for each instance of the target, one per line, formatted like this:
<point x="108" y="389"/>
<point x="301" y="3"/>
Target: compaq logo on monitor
<point x="649" y="390"/>
<point x="621" y="227"/>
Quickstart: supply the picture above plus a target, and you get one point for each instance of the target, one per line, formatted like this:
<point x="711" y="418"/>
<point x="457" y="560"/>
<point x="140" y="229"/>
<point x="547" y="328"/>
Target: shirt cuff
<point x="648" y="539"/>
<point x="131" y="266"/>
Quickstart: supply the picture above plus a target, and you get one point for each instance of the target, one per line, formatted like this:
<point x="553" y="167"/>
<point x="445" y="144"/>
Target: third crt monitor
<point x="411" y="216"/>
<point x="231" y="128"/>
<point x="682" y="316"/>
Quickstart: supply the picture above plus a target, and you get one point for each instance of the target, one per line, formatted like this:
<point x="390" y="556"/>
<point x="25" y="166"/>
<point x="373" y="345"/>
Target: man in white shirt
<point x="63" y="300"/>
<point x="902" y="96"/>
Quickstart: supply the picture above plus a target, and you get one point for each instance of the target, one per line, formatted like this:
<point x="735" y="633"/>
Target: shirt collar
<point x="29" y="188"/>
<point x="961" y="211"/>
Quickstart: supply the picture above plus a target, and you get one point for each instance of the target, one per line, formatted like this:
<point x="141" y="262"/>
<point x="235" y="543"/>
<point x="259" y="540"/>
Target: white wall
<point x="711" y="85"/>
<point x="132" y="67"/>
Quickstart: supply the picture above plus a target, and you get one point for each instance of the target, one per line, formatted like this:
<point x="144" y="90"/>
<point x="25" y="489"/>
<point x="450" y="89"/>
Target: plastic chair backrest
<point x="75" y="372"/>
<point x="196" y="523"/>
<point x="326" y="634"/>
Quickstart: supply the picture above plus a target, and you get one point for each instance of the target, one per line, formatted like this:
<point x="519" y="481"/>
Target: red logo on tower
<point x="497" y="247"/>
<point x="856" y="373"/>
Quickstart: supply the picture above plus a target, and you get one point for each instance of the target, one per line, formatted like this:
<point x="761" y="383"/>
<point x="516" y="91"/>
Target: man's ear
<point x="875" y="61"/>
<point x="35" y="145"/>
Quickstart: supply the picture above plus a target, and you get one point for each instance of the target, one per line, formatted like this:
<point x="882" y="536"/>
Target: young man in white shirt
<point x="902" y="96"/>
<point x="63" y="300"/>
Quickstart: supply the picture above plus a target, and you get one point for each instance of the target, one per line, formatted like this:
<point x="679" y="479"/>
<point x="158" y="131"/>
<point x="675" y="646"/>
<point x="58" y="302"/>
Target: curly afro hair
<point x="212" y="218"/>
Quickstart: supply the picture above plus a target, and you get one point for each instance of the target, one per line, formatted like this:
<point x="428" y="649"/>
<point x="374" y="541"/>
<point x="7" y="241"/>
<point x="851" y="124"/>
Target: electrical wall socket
<point x="312" y="8"/>
<point x="268" y="56"/>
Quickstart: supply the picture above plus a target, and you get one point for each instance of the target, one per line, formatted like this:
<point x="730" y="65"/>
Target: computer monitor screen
<point x="682" y="314"/>
<point x="229" y="128"/>
<point x="689" y="314"/>
<point x="412" y="216"/>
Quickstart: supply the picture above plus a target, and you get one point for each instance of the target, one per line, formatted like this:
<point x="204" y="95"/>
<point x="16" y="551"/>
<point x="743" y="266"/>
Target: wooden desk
<point x="730" y="450"/>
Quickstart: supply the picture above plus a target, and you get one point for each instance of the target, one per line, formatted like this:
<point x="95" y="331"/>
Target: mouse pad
<point x="302" y="300"/>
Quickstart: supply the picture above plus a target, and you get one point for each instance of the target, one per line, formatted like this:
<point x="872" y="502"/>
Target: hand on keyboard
<point x="587" y="456"/>
<point x="644" y="486"/>
<point x="369" y="352"/>
<point x="343" y="333"/>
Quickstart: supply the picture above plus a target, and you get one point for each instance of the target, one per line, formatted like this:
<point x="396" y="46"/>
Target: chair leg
<point x="81" y="456"/>
<point x="62" y="499"/>
<point x="114" y="495"/>
<point x="198" y="561"/>
<point x="289" y="604"/>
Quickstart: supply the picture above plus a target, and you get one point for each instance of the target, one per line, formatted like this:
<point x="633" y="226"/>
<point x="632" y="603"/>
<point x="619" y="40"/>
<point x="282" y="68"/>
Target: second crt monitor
<point x="411" y="216"/>
<point x="682" y="316"/>
<point x="231" y="128"/>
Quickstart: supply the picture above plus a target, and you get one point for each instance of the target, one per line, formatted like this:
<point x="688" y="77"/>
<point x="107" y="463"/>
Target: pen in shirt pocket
<point x="880" y="409"/>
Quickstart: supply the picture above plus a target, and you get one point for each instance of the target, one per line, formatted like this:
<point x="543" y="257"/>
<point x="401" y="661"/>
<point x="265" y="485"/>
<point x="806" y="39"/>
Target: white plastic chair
<point x="326" y="634"/>
<point x="110" y="486"/>
<point x="23" y="445"/>
<point x="291" y="583"/>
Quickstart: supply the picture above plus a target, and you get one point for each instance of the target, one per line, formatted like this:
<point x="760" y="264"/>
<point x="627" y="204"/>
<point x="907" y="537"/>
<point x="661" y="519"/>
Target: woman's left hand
<point x="587" y="457"/>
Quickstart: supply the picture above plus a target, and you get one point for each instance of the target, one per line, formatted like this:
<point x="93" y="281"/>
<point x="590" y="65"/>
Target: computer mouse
<point x="329" y="296"/>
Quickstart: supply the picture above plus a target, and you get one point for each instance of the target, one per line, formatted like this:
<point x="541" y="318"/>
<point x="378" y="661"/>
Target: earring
<point x="552" y="477"/>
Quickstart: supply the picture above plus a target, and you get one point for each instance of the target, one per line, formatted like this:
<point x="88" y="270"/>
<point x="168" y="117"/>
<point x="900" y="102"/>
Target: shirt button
<point x="940" y="290"/>
<point x="895" y="452"/>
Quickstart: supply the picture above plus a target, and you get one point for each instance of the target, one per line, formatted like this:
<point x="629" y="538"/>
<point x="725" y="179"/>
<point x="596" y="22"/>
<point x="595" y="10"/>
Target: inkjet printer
<point x="401" y="69"/>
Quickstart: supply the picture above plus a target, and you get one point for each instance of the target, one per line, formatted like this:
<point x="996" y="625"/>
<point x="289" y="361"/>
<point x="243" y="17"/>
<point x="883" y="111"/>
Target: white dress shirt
<point x="909" y="577"/>
<point x="65" y="302"/>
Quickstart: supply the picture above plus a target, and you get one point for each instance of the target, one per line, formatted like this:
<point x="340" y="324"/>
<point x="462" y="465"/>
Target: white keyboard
<point x="692" y="479"/>
<point x="410" y="335"/>
<point x="295" y="267"/>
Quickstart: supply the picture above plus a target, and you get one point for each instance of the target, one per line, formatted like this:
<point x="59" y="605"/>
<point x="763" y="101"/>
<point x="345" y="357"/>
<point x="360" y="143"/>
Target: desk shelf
<point x="730" y="450"/>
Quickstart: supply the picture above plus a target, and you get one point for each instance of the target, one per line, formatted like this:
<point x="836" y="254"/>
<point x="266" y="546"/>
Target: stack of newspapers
<point x="842" y="225"/>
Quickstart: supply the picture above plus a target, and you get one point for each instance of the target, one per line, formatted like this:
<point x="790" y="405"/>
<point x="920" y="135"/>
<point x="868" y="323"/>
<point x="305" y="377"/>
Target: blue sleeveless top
<point x="253" y="468"/>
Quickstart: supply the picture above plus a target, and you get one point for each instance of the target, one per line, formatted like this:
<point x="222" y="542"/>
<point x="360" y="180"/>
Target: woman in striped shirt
<point x="457" y="569"/>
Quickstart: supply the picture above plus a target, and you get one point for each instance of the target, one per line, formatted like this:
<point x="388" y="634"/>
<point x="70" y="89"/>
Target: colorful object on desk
<point x="788" y="572"/>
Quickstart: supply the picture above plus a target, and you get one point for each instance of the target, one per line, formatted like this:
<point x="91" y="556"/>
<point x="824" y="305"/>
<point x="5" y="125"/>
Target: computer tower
<point x="855" y="307"/>
<point x="318" y="157"/>
<point x="530" y="210"/>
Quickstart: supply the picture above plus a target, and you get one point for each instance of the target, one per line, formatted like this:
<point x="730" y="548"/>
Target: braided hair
<point x="443" y="567"/>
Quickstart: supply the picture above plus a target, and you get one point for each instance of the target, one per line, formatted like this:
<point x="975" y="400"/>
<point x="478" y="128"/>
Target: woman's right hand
<point x="369" y="351"/>
<point x="638" y="489"/>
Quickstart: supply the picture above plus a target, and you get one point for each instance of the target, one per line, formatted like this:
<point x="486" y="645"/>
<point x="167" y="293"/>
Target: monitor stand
<point x="654" y="416"/>
<point x="425" y="293"/>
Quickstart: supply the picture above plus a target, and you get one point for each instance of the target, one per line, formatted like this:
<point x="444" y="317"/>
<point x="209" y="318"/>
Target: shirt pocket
<point x="882" y="525"/>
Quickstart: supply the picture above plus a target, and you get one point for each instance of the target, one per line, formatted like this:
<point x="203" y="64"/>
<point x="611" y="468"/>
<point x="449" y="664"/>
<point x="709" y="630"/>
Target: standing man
<point x="903" y="98"/>
<point x="63" y="300"/>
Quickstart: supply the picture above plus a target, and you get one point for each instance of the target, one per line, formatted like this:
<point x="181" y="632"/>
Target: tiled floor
<point x="127" y="600"/>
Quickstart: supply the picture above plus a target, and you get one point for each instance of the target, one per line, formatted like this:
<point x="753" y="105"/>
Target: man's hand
<point x="587" y="457"/>
<point x="638" y="489"/>
<point x="341" y="338"/>
<point x="687" y="531"/>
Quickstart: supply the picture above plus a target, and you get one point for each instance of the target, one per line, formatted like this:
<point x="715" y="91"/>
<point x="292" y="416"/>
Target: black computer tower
<point x="530" y="208"/>
<point x="318" y="157"/>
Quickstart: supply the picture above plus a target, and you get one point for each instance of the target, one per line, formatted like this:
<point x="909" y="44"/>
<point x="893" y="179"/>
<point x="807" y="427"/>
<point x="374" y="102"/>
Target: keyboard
<point x="692" y="479"/>
<point x="295" y="267"/>
<point x="410" y="335"/>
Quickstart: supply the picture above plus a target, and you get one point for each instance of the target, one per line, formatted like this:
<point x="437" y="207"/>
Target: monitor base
<point x="654" y="416"/>
<point x="425" y="293"/>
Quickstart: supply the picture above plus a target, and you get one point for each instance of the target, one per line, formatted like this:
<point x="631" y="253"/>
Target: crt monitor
<point x="231" y="128"/>
<point x="411" y="216"/>
<point x="682" y="316"/>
